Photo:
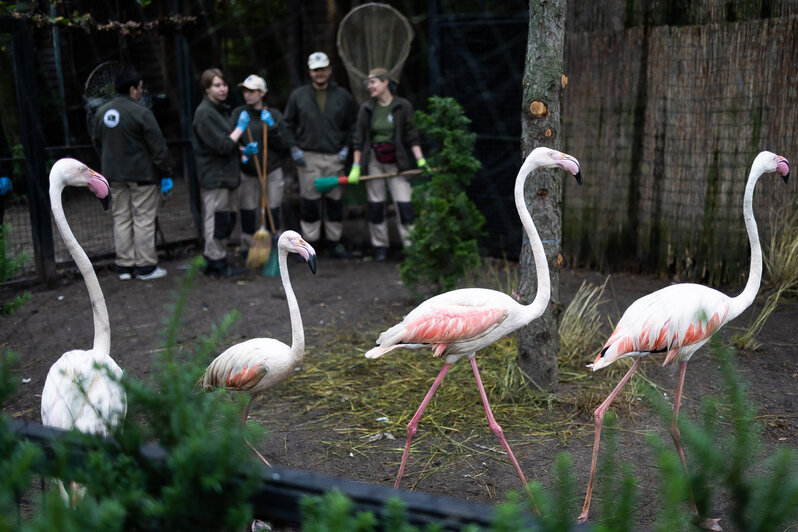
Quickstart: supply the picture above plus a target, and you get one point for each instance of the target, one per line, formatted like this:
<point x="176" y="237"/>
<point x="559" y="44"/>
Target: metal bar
<point x="280" y="490"/>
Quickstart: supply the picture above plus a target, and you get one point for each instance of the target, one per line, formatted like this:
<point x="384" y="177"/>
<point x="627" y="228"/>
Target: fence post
<point x="30" y="124"/>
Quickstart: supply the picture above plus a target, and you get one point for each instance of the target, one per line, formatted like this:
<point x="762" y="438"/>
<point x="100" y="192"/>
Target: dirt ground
<point x="361" y="295"/>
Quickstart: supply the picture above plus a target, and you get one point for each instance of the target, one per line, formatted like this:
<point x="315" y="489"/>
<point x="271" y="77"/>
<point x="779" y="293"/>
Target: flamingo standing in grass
<point x="459" y="323"/>
<point x="678" y="320"/>
<point x="83" y="389"/>
<point x="259" y="364"/>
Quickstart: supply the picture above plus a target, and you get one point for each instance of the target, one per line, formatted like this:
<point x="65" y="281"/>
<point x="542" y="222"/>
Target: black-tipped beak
<point x="578" y="177"/>
<point x="312" y="263"/>
<point x="786" y="178"/>
<point x="106" y="201"/>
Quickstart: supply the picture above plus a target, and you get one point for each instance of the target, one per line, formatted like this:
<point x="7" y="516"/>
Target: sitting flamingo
<point x="460" y="322"/>
<point x="678" y="320"/>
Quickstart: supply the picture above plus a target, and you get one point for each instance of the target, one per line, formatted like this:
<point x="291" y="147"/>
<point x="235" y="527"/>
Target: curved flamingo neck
<point x="543" y="294"/>
<point x="297" y="331"/>
<point x="743" y="301"/>
<point x="102" y="326"/>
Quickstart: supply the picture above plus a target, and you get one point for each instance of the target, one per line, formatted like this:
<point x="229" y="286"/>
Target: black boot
<point x="224" y="269"/>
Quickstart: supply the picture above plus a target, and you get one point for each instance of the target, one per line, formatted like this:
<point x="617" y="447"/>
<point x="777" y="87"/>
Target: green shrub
<point x="8" y="268"/>
<point x="444" y="240"/>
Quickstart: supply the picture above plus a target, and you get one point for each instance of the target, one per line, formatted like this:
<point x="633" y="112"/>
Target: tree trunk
<point x="539" y="343"/>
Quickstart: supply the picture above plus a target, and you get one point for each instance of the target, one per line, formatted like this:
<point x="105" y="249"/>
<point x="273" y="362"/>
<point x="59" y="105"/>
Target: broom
<point x="260" y="252"/>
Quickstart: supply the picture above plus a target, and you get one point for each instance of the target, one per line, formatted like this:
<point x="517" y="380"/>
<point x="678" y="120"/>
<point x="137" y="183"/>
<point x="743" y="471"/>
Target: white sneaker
<point x="125" y="276"/>
<point x="157" y="273"/>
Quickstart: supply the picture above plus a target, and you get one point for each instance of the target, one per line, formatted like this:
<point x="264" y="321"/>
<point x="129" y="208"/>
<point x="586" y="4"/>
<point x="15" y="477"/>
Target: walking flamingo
<point x="460" y="322"/>
<point x="83" y="389"/>
<point x="678" y="320"/>
<point x="259" y="364"/>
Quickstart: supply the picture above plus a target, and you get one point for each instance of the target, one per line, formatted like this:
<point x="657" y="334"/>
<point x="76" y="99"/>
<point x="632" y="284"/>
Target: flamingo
<point x="83" y="389"/>
<point x="460" y="322"/>
<point x="678" y="320"/>
<point x="260" y="364"/>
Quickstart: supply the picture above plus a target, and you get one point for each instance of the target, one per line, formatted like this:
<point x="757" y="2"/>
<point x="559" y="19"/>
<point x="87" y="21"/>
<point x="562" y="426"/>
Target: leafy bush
<point x="447" y="225"/>
<point x="8" y="268"/>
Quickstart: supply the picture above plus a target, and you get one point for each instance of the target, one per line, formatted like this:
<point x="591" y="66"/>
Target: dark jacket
<point x="313" y="130"/>
<point x="277" y="139"/>
<point x="131" y="144"/>
<point x="405" y="133"/>
<point x="216" y="154"/>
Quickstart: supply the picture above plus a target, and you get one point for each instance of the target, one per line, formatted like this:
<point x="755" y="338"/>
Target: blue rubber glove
<point x="251" y="149"/>
<point x="343" y="153"/>
<point x="424" y="165"/>
<point x="5" y="185"/>
<point x="266" y="116"/>
<point x="354" y="174"/>
<point x="243" y="120"/>
<point x="166" y="185"/>
<point x="298" y="156"/>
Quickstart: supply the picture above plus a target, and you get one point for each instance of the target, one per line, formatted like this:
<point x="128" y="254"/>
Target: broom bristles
<point x="261" y="248"/>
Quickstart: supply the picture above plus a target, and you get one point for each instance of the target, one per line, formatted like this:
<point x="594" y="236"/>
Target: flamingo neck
<point x="543" y="294"/>
<point x="102" y="326"/>
<point x="297" y="331"/>
<point x="746" y="298"/>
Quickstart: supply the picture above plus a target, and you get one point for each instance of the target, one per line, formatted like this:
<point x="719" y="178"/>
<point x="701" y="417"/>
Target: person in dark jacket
<point x="135" y="160"/>
<point x="320" y="116"/>
<point x="217" y="157"/>
<point x="254" y="89"/>
<point x="383" y="134"/>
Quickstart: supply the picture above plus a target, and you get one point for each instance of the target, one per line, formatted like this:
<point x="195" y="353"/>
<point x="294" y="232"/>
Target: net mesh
<point x="372" y="36"/>
<point x="100" y="89"/>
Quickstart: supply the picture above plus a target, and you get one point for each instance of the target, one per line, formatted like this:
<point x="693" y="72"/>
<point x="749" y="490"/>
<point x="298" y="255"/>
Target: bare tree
<point x="538" y="343"/>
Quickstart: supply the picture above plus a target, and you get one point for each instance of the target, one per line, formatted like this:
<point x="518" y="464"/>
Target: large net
<point x="100" y="89"/>
<point x="372" y="36"/>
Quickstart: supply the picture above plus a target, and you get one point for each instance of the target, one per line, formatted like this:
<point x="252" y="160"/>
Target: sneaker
<point x="125" y="276"/>
<point x="156" y="273"/>
<point x="125" y="272"/>
<point x="338" y="251"/>
<point x="380" y="254"/>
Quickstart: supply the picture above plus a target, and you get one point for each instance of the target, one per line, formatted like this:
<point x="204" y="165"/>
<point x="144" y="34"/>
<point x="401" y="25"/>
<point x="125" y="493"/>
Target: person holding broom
<point x="383" y="134"/>
<point x="267" y="131"/>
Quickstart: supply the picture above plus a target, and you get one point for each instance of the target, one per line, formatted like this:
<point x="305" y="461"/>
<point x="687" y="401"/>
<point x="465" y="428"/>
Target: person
<point x="383" y="132"/>
<point x="320" y="116"/>
<point x="217" y="156"/>
<point x="5" y="172"/>
<point x="254" y="89"/>
<point x="135" y="160"/>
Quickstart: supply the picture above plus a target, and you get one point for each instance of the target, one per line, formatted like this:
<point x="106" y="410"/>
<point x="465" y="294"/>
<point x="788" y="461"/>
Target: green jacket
<point x="313" y="130"/>
<point x="277" y="139"/>
<point x="131" y="145"/>
<point x="215" y="153"/>
<point x="405" y="133"/>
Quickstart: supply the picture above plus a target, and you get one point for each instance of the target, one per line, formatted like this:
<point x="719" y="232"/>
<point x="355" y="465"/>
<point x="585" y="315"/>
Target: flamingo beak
<point x="569" y="163"/>
<point x="783" y="167"/>
<point x="100" y="187"/>
<point x="307" y="252"/>
<point x="312" y="263"/>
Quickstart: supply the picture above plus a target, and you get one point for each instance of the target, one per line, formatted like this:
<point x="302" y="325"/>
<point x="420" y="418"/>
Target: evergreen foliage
<point x="8" y="268"/>
<point x="448" y="224"/>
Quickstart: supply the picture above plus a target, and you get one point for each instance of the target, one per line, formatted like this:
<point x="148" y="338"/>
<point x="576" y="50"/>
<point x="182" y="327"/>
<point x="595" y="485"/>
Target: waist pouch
<point x="385" y="152"/>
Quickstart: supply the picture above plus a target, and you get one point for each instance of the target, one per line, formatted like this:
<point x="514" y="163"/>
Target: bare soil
<point x="361" y="295"/>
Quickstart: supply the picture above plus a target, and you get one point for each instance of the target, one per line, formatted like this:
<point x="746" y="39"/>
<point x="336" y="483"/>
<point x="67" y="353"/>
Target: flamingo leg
<point x="412" y="427"/>
<point x="709" y="524"/>
<point x="497" y="430"/>
<point x="244" y="416"/>
<point x="599" y="417"/>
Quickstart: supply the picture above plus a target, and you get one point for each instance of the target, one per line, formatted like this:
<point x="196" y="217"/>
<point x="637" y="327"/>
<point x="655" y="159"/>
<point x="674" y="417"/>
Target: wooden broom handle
<point x="264" y="198"/>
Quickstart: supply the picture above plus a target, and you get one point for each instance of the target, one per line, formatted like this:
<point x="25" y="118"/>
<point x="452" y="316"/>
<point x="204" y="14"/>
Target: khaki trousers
<point x="249" y="199"/>
<point x="319" y="165"/>
<point x="216" y="200"/>
<point x="134" y="208"/>
<point x="375" y="191"/>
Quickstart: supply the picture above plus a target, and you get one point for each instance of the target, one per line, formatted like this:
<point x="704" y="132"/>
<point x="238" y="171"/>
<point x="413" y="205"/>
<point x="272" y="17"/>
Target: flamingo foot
<point x="582" y="519"/>
<point x="259" y="526"/>
<point x="708" y="524"/>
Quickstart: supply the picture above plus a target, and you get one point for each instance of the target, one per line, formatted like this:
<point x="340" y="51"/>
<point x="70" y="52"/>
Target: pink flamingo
<point x="260" y="364"/>
<point x="460" y="322"/>
<point x="678" y="320"/>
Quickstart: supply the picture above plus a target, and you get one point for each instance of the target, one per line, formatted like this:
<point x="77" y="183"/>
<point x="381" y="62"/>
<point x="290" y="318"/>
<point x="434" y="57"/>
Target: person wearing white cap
<point x="320" y="116"/>
<point x="275" y="137"/>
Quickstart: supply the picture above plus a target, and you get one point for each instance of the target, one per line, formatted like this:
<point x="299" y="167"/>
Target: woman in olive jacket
<point x="383" y="133"/>
<point x="217" y="156"/>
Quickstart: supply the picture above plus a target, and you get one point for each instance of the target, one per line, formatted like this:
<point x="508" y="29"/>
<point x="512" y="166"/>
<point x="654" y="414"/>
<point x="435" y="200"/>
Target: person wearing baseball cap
<point x="320" y="117"/>
<point x="275" y="138"/>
